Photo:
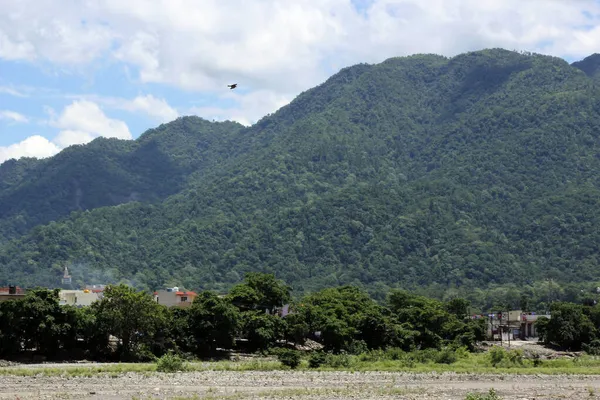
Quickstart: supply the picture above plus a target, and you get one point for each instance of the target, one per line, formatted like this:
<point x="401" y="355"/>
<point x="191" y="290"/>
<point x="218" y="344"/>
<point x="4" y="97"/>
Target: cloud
<point x="13" y="116"/>
<point x="83" y="120"/>
<point x="34" y="146"/>
<point x="80" y="122"/>
<point x="274" y="49"/>
<point x="250" y="107"/>
<point x="11" y="91"/>
<point x="281" y="46"/>
<point x="156" y="108"/>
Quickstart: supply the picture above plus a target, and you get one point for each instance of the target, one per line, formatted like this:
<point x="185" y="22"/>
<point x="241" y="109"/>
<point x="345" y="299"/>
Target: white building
<point x="174" y="297"/>
<point x="78" y="297"/>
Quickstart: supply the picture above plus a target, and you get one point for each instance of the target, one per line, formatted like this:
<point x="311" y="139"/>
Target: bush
<point x="446" y="356"/>
<point x="358" y="347"/>
<point x="593" y="348"/>
<point x="317" y="359"/>
<point x="338" y="360"/>
<point x="491" y="395"/>
<point x="496" y="355"/>
<point x="170" y="363"/>
<point x="289" y="358"/>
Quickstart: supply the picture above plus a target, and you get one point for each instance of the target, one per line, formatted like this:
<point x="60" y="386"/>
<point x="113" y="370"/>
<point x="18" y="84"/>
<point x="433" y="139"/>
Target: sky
<point x="74" y="70"/>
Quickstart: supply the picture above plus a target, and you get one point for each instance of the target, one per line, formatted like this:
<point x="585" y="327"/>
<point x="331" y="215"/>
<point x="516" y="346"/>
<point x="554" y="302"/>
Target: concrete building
<point x="513" y="325"/>
<point x="11" y="293"/>
<point x="528" y="321"/>
<point x="173" y="297"/>
<point x="78" y="298"/>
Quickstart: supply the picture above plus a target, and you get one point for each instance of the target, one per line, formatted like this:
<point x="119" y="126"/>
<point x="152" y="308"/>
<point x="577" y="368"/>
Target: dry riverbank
<point x="300" y="385"/>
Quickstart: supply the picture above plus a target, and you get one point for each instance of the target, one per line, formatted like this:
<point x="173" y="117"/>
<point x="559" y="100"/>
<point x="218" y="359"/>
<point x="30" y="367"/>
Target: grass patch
<point x="426" y="361"/>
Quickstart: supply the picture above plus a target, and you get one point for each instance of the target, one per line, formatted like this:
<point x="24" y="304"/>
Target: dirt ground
<point x="300" y="385"/>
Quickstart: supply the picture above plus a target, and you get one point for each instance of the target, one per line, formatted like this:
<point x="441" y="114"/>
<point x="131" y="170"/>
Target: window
<point x="184" y="298"/>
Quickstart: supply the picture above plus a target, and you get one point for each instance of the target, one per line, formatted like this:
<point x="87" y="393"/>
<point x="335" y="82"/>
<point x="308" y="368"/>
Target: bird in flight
<point x="232" y="86"/>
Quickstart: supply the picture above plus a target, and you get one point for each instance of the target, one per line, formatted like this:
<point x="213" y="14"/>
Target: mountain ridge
<point x="424" y="172"/>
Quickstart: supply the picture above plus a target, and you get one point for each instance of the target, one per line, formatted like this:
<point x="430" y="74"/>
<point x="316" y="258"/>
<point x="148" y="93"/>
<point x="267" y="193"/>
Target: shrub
<point x="358" y="347"/>
<point x="593" y="348"/>
<point x="170" y="363"/>
<point x="338" y="360"/>
<point x="289" y="358"/>
<point x="496" y="355"/>
<point x="446" y="356"/>
<point x="317" y="359"/>
<point x="491" y="395"/>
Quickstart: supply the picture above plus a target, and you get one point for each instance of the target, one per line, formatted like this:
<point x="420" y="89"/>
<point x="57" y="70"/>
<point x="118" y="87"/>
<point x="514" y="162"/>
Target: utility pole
<point x="508" y="323"/>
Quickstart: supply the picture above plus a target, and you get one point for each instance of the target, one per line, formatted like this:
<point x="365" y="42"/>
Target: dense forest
<point x="341" y="320"/>
<point x="473" y="176"/>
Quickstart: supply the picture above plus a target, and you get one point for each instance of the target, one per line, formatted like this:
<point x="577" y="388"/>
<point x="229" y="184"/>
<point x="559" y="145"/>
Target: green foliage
<point x="496" y="355"/>
<point x="446" y="356"/>
<point x="473" y="176"/>
<point x="130" y="315"/>
<point x="317" y="359"/>
<point x="170" y="363"/>
<point x="213" y="322"/>
<point x="289" y="358"/>
<point x="491" y="395"/>
<point x="260" y="291"/>
<point x="570" y="326"/>
<point x="592" y="348"/>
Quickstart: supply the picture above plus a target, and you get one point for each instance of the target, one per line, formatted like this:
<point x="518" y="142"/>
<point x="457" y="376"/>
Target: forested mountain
<point x="108" y="172"/>
<point x="451" y="174"/>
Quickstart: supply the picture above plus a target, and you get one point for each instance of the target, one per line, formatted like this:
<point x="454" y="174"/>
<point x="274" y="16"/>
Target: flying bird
<point x="232" y="86"/>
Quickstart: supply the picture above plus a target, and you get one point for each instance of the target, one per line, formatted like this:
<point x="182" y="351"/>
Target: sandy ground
<point x="302" y="385"/>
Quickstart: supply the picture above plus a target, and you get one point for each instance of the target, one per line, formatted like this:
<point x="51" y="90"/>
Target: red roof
<point x="186" y="294"/>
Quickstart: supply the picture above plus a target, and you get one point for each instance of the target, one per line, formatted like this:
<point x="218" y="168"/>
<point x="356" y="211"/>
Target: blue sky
<point x="71" y="71"/>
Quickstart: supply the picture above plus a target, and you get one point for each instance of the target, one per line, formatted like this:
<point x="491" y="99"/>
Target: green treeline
<point x="341" y="319"/>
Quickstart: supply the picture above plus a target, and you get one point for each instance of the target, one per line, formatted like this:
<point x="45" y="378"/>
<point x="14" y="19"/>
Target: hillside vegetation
<point x="453" y="175"/>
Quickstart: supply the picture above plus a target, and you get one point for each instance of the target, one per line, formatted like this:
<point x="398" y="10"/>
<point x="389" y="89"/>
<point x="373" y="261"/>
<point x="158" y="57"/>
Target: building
<point x="11" y="293"/>
<point x="173" y="297"/>
<point x="513" y="325"/>
<point x="79" y="298"/>
<point x="66" y="280"/>
<point x="528" y="321"/>
<point x="96" y="289"/>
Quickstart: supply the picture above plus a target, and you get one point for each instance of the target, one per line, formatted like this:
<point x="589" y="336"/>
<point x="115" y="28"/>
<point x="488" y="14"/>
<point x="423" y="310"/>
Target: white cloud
<point x="80" y="122"/>
<point x="13" y="116"/>
<point x="11" y="91"/>
<point x="282" y="46"/>
<point x="83" y="120"/>
<point x="274" y="49"/>
<point x="251" y="107"/>
<point x="34" y="146"/>
<point x="156" y="108"/>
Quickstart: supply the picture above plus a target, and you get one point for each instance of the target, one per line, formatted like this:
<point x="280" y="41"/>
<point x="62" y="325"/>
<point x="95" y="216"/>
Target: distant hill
<point x="107" y="172"/>
<point x="448" y="174"/>
<point x="590" y="65"/>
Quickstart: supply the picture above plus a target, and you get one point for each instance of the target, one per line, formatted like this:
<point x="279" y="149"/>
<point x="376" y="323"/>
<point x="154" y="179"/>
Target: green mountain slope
<point x="421" y="171"/>
<point x="107" y="172"/>
<point x="590" y="65"/>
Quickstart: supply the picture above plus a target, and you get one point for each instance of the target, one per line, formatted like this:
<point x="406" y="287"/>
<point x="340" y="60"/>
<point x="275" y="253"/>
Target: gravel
<point x="300" y="385"/>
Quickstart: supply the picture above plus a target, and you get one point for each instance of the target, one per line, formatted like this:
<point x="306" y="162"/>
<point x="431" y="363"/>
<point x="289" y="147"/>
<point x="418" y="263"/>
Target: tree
<point x="132" y="316"/>
<point x="213" y="322"/>
<point x="458" y="307"/>
<point x="260" y="291"/>
<point x="569" y="327"/>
